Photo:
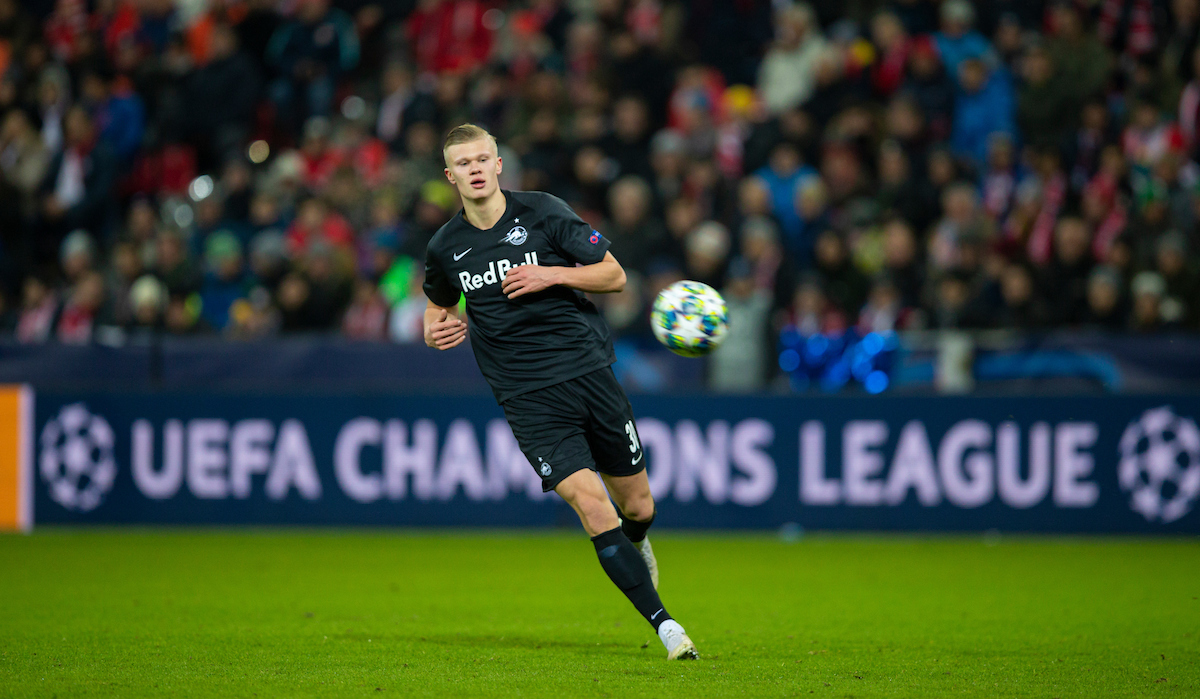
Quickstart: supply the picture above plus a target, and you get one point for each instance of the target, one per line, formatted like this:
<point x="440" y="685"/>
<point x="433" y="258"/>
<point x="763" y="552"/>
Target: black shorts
<point x="586" y="422"/>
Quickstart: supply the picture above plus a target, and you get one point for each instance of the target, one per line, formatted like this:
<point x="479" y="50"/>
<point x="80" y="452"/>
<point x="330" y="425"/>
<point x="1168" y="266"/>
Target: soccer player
<point x="523" y="261"/>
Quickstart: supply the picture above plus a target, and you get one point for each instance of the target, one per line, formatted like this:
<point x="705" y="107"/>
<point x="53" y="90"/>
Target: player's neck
<point x="485" y="213"/>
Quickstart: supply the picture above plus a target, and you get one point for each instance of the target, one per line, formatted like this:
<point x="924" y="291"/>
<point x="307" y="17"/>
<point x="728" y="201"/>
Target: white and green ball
<point x="689" y="318"/>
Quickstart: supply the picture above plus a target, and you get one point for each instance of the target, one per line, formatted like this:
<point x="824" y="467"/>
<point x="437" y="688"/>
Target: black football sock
<point x="636" y="531"/>
<point x="625" y="567"/>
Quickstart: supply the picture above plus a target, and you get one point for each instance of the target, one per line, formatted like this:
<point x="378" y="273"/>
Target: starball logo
<point x="77" y="458"/>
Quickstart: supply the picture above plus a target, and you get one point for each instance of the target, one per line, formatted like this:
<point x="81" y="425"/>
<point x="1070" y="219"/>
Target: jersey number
<point x="634" y="444"/>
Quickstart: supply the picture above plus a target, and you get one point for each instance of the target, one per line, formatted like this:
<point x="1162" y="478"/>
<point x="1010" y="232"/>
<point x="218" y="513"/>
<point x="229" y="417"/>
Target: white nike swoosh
<point x="635" y="461"/>
<point x="655" y="614"/>
<point x="458" y="256"/>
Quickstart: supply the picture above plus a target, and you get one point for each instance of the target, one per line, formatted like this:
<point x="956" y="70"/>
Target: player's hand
<point x="446" y="332"/>
<point x="528" y="279"/>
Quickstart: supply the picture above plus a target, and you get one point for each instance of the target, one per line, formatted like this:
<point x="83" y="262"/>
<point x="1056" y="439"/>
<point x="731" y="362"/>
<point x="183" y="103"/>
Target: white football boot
<point x="647" y="552"/>
<point x="679" y="646"/>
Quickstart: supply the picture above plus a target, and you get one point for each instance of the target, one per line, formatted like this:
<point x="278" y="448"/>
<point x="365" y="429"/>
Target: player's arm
<point x="443" y="328"/>
<point x="603" y="277"/>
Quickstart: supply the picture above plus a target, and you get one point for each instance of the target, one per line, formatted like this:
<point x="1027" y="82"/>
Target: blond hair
<point x="466" y="133"/>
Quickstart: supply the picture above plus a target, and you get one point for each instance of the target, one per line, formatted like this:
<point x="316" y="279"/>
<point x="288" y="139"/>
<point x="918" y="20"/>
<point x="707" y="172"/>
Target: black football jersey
<point x="538" y="339"/>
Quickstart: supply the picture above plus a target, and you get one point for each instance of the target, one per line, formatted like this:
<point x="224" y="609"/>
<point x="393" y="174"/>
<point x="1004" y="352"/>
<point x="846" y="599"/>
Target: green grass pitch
<point x="284" y="613"/>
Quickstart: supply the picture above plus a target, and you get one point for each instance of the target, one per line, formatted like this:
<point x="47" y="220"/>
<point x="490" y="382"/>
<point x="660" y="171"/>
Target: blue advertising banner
<point x="1095" y="464"/>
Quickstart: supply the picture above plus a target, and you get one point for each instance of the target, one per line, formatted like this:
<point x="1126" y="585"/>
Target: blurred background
<point x="906" y="197"/>
<point x="1011" y="186"/>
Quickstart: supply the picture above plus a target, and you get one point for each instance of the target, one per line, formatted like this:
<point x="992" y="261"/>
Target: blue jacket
<point x="955" y="50"/>
<point x="977" y="116"/>
<point x="783" y="199"/>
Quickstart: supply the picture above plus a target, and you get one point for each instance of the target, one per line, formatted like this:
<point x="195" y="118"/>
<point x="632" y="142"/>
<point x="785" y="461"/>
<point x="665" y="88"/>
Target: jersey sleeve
<point x="437" y="285"/>
<point x="574" y="239"/>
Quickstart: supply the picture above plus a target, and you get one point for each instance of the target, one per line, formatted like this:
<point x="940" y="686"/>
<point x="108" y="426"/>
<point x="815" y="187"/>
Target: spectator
<point x="955" y="304"/>
<point x="844" y="285"/>
<point x="77" y="256"/>
<point x="635" y="234"/>
<point x="811" y="313"/>
<point x="885" y="310"/>
<point x="984" y="108"/>
<point x="901" y="263"/>
<point x="957" y="41"/>
<point x="962" y="223"/>
<point x="379" y="245"/>
<point x="39" y="310"/>
<point x="773" y="272"/>
<point x="310" y="54"/>
<point x="23" y="158"/>
<point x="927" y="95"/>
<point x="174" y="267"/>
<point x="1066" y="277"/>
<point x="782" y="175"/>
<point x="53" y="99"/>
<point x="396" y="84"/>
<point x="1149" y="137"/>
<point x="740" y="364"/>
<point x="183" y="318"/>
<point x="900" y="191"/>
<point x="125" y="268"/>
<point x="1148" y="291"/>
<point x="367" y="316"/>
<point x="145" y="298"/>
<point x="1022" y="306"/>
<point x="221" y="96"/>
<point x="1105" y="298"/>
<point x="225" y="280"/>
<point x="1085" y="146"/>
<point x="80" y="313"/>
<point x="812" y="208"/>
<point x="705" y="253"/>
<point x="331" y="288"/>
<point x="449" y="35"/>
<point x="787" y="77"/>
<point x="629" y="144"/>
<point x="1181" y="301"/>
<point x="118" y="112"/>
<point x="77" y="191"/>
<point x="893" y="44"/>
<point x="1001" y="177"/>
<point x="314" y="223"/>
<point x="1080" y="58"/>
<point x="1045" y="107"/>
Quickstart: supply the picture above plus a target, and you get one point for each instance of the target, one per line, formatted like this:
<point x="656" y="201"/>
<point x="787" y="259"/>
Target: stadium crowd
<point x="255" y="167"/>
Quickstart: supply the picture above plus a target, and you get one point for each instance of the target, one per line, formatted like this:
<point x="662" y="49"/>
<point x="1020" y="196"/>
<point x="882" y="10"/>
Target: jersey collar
<point x="510" y="204"/>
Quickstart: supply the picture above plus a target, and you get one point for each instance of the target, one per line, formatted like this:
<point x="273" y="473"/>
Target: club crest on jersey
<point x="516" y="236"/>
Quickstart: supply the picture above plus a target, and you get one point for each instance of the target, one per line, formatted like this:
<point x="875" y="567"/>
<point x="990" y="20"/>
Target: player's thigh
<point x="551" y="434"/>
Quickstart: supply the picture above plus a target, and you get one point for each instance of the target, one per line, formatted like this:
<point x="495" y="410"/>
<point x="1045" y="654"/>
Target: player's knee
<point x="597" y="514"/>
<point x="639" y="509"/>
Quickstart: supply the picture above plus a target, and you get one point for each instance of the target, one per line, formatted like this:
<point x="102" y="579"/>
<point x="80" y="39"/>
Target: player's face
<point x="474" y="168"/>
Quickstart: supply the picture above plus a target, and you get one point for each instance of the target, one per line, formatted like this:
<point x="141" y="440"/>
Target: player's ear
<point x="499" y="165"/>
<point x="450" y="177"/>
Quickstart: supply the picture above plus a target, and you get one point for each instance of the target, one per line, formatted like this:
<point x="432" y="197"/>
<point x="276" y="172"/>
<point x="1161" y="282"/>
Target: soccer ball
<point x="1160" y="464"/>
<point x="689" y="318"/>
<point x="76" y="459"/>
